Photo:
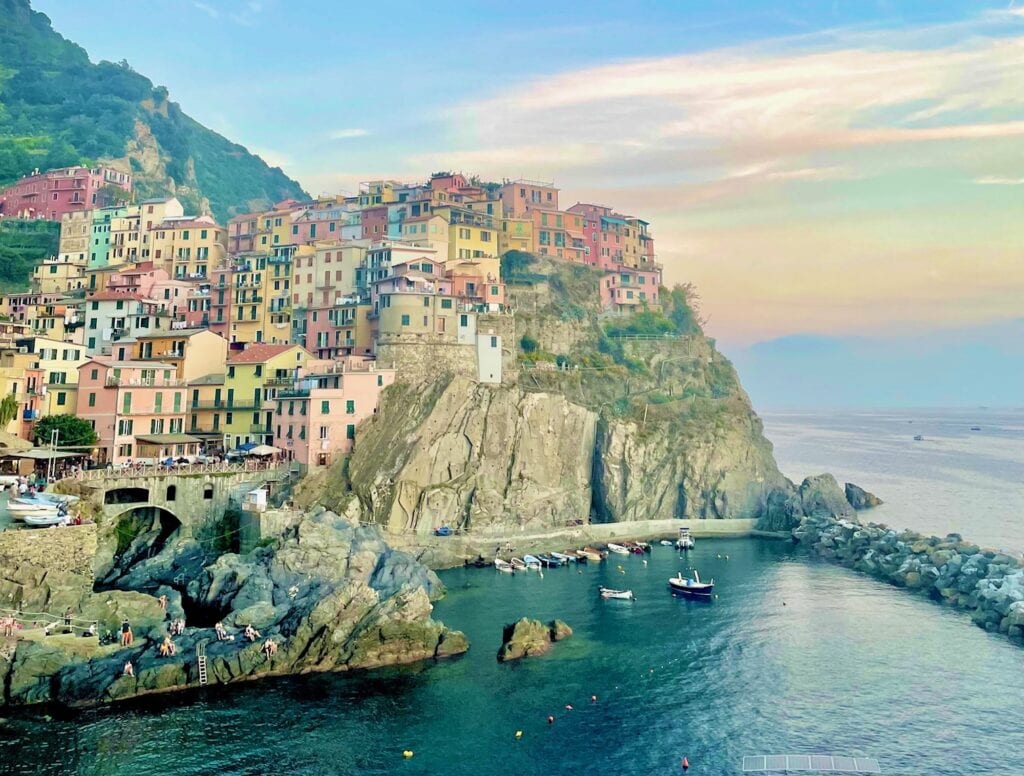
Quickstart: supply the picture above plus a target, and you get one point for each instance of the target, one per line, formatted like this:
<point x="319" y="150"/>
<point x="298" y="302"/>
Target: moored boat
<point x="624" y="595"/>
<point x="666" y="542"/>
<point x="57" y="498"/>
<point x="589" y="553"/>
<point x="518" y="564"/>
<point x="532" y="562"/>
<point x="691" y="587"/>
<point x="550" y="561"/>
<point x="565" y="558"/>
<point x="479" y="562"/>
<point x="503" y="566"/>
<point x="918" y="438"/>
<point x="685" y="541"/>
<point x="644" y="546"/>
<point x="618" y="549"/>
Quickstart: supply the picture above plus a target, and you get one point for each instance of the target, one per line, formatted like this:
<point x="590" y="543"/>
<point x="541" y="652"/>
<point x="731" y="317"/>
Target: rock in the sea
<point x="859" y="498"/>
<point x="527" y="638"/>
<point x="821" y="496"/>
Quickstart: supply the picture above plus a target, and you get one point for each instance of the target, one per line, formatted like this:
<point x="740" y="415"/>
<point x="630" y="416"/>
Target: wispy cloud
<point x="348" y="133"/>
<point x="998" y="180"/>
<point x="209" y="10"/>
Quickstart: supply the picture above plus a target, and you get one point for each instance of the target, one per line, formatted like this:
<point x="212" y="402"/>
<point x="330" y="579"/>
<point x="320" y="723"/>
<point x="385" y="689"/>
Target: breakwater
<point x="987" y="584"/>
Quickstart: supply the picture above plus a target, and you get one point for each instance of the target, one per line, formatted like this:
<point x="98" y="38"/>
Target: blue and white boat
<point x="532" y="562"/>
<point x="550" y="561"/>
<point x="563" y="557"/>
<point x="691" y="587"/>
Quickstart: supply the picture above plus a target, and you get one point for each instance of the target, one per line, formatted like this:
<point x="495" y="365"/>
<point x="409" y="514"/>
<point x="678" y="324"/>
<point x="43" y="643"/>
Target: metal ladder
<point x="201" y="660"/>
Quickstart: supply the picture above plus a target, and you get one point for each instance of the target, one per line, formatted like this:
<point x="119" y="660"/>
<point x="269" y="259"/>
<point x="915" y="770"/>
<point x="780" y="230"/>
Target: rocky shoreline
<point x="331" y="596"/>
<point x="989" y="585"/>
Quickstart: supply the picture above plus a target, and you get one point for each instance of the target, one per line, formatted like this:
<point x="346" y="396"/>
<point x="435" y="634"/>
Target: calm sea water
<point x="794" y="656"/>
<point x="955" y="479"/>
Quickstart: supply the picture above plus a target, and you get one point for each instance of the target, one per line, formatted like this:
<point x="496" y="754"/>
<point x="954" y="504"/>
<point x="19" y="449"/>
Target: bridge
<point x="193" y="495"/>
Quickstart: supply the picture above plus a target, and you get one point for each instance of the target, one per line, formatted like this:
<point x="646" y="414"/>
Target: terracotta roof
<point x="257" y="354"/>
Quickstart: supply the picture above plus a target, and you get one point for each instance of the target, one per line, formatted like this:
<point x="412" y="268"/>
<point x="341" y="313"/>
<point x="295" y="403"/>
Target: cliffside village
<point x="174" y="335"/>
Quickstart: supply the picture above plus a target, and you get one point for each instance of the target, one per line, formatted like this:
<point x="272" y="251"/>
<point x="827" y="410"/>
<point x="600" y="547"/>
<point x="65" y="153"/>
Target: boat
<point x="618" y="549"/>
<point x="685" y="541"/>
<point x="624" y="595"/>
<point x="634" y="548"/>
<point x="589" y="553"/>
<point x="691" y="587"/>
<point x="44" y="521"/>
<point x="518" y="564"/>
<point x="564" y="557"/>
<point x="975" y="428"/>
<point x="666" y="542"/>
<point x="918" y="438"/>
<point x="503" y="566"/>
<point x="22" y="508"/>
<point x="550" y="561"/>
<point x="479" y="562"/>
<point x="644" y="546"/>
<point x="56" y="498"/>
<point x="532" y="562"/>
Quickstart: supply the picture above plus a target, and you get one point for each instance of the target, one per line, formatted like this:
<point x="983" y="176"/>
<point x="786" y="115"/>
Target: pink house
<point x="52" y="194"/>
<point x="627" y="289"/>
<point x="375" y="223"/>
<point x="315" y="421"/>
<point x="136" y="407"/>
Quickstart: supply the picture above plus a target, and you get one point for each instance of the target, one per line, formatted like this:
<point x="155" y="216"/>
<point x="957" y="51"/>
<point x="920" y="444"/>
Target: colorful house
<point x="192" y="352"/>
<point x="52" y="194"/>
<point x="627" y="289"/>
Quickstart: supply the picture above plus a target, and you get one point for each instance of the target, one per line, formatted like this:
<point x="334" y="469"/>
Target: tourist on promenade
<point x="167" y="648"/>
<point x="8" y="625"/>
<point x="67" y="617"/>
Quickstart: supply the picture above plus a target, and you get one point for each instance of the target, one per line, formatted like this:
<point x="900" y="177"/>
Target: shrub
<point x="528" y="344"/>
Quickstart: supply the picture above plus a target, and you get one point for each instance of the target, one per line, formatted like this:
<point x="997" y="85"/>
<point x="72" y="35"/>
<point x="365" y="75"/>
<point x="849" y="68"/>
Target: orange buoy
<point x="686" y="764"/>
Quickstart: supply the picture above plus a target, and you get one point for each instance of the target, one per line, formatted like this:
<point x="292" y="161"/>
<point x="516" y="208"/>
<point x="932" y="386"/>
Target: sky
<point x="847" y="171"/>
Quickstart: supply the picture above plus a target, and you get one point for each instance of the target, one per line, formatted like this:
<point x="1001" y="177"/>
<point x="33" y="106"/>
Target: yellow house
<point x="471" y="235"/>
<point x="61" y="321"/>
<point x="206" y="401"/>
<point x="428" y="231"/>
<point x="58" y="362"/>
<point x="253" y="377"/>
<point x="193" y="352"/>
<point x="373" y="193"/>
<point x="188" y="248"/>
<point x="58" y="275"/>
<point x="19" y="378"/>
<point x="75" y="229"/>
<point x="516" y="235"/>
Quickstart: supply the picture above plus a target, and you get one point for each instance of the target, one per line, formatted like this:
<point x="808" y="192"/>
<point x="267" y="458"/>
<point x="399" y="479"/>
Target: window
<point x="323" y="432"/>
<point x="231" y="371"/>
<point x="405" y="320"/>
<point x="380" y="380"/>
<point x="494" y="342"/>
<point x="350" y="431"/>
<point x="325" y="408"/>
<point x="92" y="399"/>
<point x="127" y="404"/>
<point x="446" y="304"/>
<point x="172" y="492"/>
<point x="259" y="370"/>
<point x="208" y="492"/>
<point x="62" y="398"/>
<point x="350" y="407"/>
<point x="426" y="301"/>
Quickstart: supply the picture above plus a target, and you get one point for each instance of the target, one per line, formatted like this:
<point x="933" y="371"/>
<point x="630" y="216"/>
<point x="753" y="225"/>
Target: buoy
<point x="716" y="596"/>
<point x="727" y="557"/>
<point x="551" y="720"/>
<point x="719" y="556"/>
<point x="593" y="699"/>
<point x="568" y="706"/>
<point x="407" y="754"/>
<point x="645" y="563"/>
<point x="686" y="764"/>
<point x="519" y="734"/>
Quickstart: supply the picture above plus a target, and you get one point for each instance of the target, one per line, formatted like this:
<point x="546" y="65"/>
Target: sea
<point x="792" y="656"/>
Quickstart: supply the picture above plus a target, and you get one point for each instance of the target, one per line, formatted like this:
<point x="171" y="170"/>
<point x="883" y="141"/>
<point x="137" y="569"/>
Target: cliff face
<point x="597" y="423"/>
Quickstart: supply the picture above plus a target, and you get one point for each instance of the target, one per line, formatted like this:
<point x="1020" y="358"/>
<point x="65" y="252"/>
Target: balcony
<point x="279" y="260"/>
<point x="170" y="355"/>
<point x="293" y="393"/>
<point x="30" y="414"/>
<point x="138" y="382"/>
<point x="259" y="429"/>
<point x="271" y="382"/>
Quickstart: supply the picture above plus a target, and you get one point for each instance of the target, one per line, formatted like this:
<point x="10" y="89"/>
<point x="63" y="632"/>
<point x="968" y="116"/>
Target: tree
<point x="8" y="409"/>
<point x="71" y="431"/>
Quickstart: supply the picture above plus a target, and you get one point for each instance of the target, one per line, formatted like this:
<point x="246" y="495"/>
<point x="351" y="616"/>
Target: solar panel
<point x="821" y="763"/>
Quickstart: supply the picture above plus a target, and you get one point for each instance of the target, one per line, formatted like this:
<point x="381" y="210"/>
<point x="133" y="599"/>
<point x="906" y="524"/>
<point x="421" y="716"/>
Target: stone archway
<point x="140" y="532"/>
<point x="128" y="495"/>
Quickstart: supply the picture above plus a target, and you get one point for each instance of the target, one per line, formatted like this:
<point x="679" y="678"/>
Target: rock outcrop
<point x="987" y="584"/>
<point x="332" y="596"/>
<point x="528" y="638"/>
<point x="861" y="499"/>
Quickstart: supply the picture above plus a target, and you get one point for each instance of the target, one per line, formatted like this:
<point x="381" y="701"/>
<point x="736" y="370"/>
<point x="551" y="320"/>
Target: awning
<point x="166" y="439"/>
<point x="264" y="450"/>
<point x="614" y="220"/>
<point x="246" y="446"/>
<point x="12" y="442"/>
<point x="41" y="455"/>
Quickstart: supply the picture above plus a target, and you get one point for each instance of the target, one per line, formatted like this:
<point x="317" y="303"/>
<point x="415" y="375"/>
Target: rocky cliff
<point x="331" y="595"/>
<point x="606" y="418"/>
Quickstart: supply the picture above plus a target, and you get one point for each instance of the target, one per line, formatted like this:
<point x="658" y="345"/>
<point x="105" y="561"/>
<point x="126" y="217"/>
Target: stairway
<point x="201" y="660"/>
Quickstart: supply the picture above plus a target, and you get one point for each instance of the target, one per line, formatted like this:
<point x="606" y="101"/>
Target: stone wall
<point x="63" y="550"/>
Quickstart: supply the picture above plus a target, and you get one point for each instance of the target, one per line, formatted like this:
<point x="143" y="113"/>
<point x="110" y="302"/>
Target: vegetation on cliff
<point x="22" y="245"/>
<point x="57" y="109"/>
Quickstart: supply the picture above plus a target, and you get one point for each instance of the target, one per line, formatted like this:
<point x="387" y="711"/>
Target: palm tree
<point x="9" y="407"/>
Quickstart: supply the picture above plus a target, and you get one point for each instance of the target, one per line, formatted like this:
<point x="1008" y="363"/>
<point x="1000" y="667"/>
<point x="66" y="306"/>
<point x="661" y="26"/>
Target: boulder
<point x="527" y="638"/>
<point x="859" y="498"/>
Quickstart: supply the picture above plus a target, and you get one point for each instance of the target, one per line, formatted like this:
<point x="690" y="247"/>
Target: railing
<point x="159" y="470"/>
<point x="259" y="429"/>
<point x="245" y="404"/>
<point x="136" y="382"/>
<point x="293" y="393"/>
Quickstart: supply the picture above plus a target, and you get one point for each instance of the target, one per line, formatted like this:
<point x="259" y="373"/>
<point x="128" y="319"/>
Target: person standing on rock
<point x="126" y="633"/>
<point x="129" y="669"/>
<point x="163" y="602"/>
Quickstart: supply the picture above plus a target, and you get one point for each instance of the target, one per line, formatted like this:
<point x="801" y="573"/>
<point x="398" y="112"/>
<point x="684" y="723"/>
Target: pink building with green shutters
<point x="137" y="409"/>
<point x="315" y="420"/>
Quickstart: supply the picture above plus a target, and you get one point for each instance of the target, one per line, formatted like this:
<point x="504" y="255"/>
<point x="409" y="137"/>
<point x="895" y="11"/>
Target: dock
<point x="809" y="763"/>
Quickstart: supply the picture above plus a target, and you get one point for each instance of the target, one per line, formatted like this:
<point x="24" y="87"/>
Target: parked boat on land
<point x="623" y="595"/>
<point x="691" y="587"/>
<point x="565" y="558"/>
<point x="550" y="561"/>
<point x="57" y="498"/>
<point x="44" y="521"/>
<point x="685" y="541"/>
<point x="532" y="562"/>
<point x="518" y="564"/>
<point x="503" y="566"/>
<point x="618" y="549"/>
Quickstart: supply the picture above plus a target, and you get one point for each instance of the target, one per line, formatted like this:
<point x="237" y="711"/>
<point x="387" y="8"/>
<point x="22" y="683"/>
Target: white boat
<point x="685" y="541"/>
<point x="503" y="566"/>
<point x="44" y="521"/>
<point x="691" y="587"/>
<point x="564" y="558"/>
<point x="624" y="595"/>
<point x="20" y="508"/>
<point x="666" y="542"/>
<point x="57" y="498"/>
<point x="518" y="564"/>
<point x="532" y="562"/>
<point x="618" y="549"/>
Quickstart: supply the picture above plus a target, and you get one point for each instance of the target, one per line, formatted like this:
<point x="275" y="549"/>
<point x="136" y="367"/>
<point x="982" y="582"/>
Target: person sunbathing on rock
<point x="270" y="648"/>
<point x="222" y="634"/>
<point x="251" y="634"/>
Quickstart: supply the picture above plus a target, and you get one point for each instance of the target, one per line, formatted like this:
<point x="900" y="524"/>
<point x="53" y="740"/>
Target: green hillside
<point x="22" y="245"/>
<point x="57" y="108"/>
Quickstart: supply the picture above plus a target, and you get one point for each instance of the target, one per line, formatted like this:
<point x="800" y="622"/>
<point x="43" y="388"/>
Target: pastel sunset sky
<point x="837" y="169"/>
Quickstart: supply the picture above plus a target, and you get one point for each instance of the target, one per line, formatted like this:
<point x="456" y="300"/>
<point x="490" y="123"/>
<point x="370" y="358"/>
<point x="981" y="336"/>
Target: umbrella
<point x="264" y="450"/>
<point x="246" y="447"/>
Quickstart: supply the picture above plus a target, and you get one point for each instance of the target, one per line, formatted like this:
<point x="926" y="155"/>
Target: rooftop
<point x="171" y="333"/>
<point x="257" y="354"/>
<point x="216" y="379"/>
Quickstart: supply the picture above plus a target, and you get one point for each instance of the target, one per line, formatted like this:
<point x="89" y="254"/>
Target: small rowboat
<point x="29" y="506"/>
<point x="44" y="521"/>
<point x="550" y="561"/>
<point x="666" y="542"/>
<point x="644" y="546"/>
<point x="589" y="553"/>
<point x="532" y="562"/>
<point x="518" y="564"/>
<point x="623" y="595"/>
<point x="57" y="498"/>
<point x="618" y="549"/>
<point x="564" y="557"/>
<point x="691" y="587"/>
<point x="503" y="566"/>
